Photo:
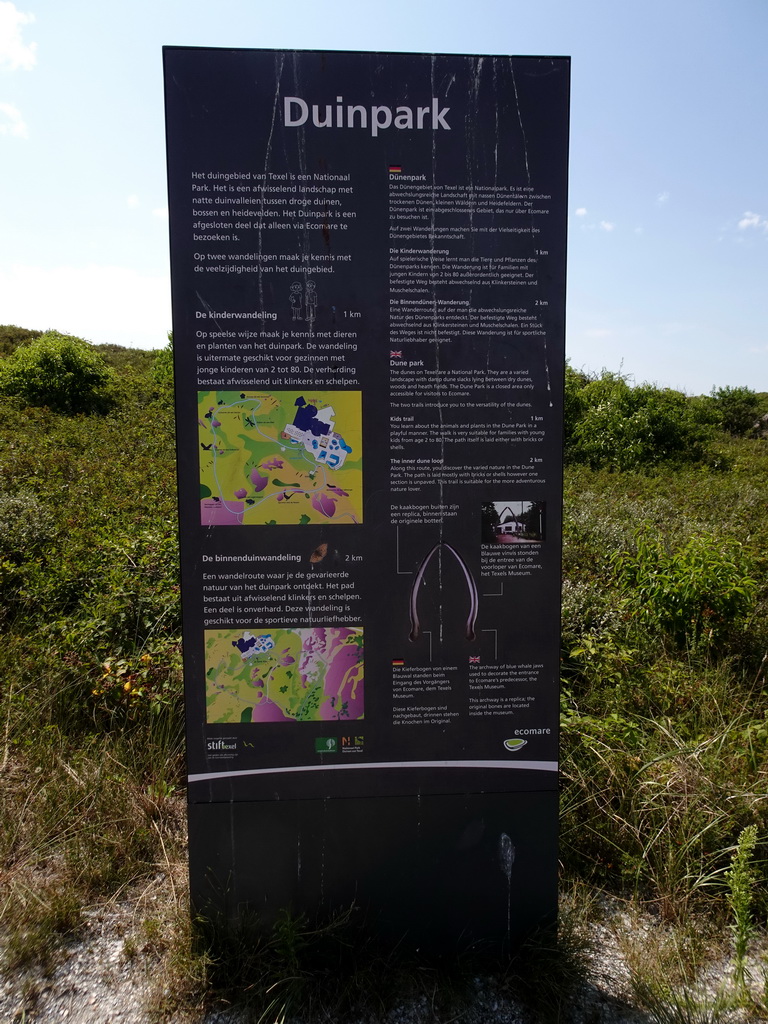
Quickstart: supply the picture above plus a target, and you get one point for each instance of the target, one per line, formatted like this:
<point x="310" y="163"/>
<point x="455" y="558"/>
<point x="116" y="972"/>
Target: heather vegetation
<point x="664" y="700"/>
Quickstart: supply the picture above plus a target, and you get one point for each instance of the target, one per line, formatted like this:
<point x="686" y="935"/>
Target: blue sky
<point x="668" y="209"/>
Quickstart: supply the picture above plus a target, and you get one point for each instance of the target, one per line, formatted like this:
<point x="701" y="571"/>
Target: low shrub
<point x="611" y="423"/>
<point x="734" y="410"/>
<point x="60" y="371"/>
<point x="698" y="594"/>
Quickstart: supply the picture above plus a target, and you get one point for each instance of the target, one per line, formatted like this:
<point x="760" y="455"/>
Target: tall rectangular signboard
<point x="368" y="262"/>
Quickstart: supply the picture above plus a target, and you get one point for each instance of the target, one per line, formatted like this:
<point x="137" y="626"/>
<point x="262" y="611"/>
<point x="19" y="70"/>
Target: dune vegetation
<point x="664" y="706"/>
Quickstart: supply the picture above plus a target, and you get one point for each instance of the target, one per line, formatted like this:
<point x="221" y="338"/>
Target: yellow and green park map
<point x="280" y="457"/>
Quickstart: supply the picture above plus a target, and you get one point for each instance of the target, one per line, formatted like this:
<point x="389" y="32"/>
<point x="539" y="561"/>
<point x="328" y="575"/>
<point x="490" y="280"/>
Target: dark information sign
<point x="368" y="269"/>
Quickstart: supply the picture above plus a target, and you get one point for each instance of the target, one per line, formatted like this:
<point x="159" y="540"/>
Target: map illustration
<point x="311" y="674"/>
<point x="285" y="457"/>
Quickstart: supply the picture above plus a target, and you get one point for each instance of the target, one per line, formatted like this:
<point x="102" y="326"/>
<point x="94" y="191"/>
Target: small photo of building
<point x="513" y="522"/>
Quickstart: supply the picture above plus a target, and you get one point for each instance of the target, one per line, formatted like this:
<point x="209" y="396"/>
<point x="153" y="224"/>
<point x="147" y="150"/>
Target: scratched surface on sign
<point x="369" y="276"/>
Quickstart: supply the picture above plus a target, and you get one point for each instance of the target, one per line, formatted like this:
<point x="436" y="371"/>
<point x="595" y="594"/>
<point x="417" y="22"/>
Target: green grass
<point x="664" y="714"/>
<point x="664" y="698"/>
<point x="90" y="756"/>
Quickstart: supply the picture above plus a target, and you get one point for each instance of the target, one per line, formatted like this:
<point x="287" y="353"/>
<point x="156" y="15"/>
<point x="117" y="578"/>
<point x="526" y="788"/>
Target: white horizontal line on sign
<point x="535" y="766"/>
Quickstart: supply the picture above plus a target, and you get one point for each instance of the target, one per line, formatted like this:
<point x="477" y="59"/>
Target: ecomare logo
<point x="514" y="745"/>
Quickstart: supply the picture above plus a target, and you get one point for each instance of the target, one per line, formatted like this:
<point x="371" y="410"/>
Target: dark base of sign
<point x="443" y="873"/>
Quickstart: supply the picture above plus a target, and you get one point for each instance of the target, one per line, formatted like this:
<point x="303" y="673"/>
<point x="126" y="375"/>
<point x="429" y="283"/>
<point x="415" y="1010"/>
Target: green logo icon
<point x="326" y="745"/>
<point x="514" y="745"/>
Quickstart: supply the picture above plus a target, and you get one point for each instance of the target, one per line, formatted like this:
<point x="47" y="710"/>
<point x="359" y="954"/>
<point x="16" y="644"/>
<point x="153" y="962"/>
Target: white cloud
<point x="11" y="122"/>
<point x="581" y="212"/>
<point x="104" y="304"/>
<point x="662" y="198"/>
<point x="133" y="201"/>
<point x="597" y="332"/>
<point x="753" y="220"/>
<point x="607" y="225"/>
<point x="13" y="52"/>
<point x="639" y="231"/>
<point x="161" y="212"/>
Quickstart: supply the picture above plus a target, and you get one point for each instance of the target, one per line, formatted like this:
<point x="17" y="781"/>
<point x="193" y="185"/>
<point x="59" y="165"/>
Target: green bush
<point x="26" y="529"/>
<point x="60" y="371"/>
<point x="573" y="401"/>
<point x="162" y="365"/>
<point x="26" y="525"/>
<point x="161" y="373"/>
<point x="697" y="594"/>
<point x="613" y="424"/>
<point x="12" y="336"/>
<point x="126" y="361"/>
<point x="734" y="410"/>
